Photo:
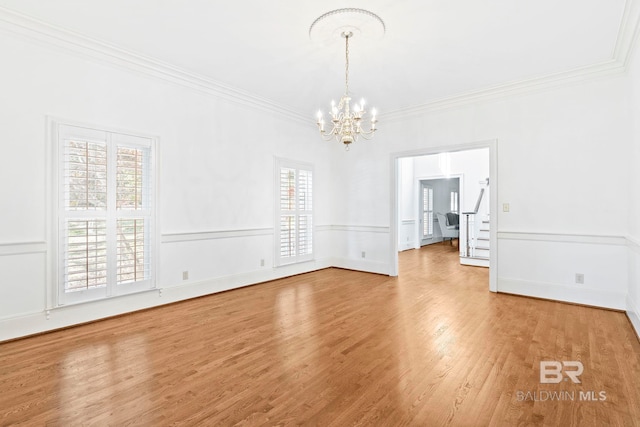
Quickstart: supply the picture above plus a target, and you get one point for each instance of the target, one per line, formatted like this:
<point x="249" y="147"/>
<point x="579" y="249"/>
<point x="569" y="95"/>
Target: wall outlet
<point x="580" y="278"/>
<point x="262" y="262"/>
<point x="364" y="254"/>
<point x="505" y="207"/>
<point x="185" y="275"/>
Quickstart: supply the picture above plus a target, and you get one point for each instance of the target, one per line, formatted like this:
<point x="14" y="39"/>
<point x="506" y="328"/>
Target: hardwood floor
<point x="334" y="347"/>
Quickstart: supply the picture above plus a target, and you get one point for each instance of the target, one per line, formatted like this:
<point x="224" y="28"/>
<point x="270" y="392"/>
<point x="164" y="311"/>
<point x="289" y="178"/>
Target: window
<point x="427" y="212"/>
<point x="294" y="218"/>
<point x="105" y="214"/>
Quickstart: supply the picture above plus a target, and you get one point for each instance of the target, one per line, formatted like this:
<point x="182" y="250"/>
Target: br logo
<point x="551" y="372"/>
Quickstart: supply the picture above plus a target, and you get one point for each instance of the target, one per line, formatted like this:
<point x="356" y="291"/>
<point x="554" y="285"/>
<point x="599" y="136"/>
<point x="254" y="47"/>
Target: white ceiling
<point x="432" y="49"/>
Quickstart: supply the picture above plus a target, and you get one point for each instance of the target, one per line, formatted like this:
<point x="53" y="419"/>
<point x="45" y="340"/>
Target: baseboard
<point x="66" y="316"/>
<point x="406" y="246"/>
<point x="633" y="313"/>
<point x="432" y="241"/>
<point x="226" y="283"/>
<point x="561" y="292"/>
<point x="33" y="323"/>
<point x="361" y="265"/>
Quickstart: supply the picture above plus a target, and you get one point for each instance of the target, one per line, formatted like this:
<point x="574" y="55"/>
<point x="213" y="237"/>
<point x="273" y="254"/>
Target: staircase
<point x="479" y="246"/>
<point x="482" y="248"/>
<point x="476" y="248"/>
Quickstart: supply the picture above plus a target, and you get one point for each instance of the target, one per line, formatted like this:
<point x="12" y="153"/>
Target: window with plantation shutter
<point x="427" y="212"/>
<point x="105" y="213"/>
<point x="294" y="218"/>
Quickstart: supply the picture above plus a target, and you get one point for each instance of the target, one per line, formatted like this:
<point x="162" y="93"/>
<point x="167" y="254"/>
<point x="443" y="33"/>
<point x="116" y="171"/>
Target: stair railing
<point x="469" y="219"/>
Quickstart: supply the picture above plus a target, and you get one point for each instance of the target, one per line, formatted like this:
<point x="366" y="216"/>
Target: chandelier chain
<point x="346" y="67"/>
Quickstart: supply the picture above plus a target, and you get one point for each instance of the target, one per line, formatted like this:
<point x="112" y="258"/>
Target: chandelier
<point x="347" y="124"/>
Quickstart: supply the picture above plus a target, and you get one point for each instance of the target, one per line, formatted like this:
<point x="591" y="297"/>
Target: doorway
<point x="437" y="197"/>
<point x="403" y="170"/>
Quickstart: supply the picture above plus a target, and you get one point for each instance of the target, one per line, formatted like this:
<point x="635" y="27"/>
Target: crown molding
<point x="621" y="55"/>
<point x="628" y="33"/>
<point x="89" y="48"/>
<point x="33" y="29"/>
<point x="514" y="88"/>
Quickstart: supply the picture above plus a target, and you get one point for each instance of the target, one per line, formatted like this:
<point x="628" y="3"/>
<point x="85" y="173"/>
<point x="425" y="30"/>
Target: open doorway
<point x="438" y="209"/>
<point x="450" y="185"/>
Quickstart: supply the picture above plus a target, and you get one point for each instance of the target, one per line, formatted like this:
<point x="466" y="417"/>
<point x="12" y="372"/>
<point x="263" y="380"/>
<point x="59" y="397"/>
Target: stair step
<point x="486" y="239"/>
<point x="475" y="261"/>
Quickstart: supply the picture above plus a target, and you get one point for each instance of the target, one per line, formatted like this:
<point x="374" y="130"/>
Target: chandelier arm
<point x="327" y="137"/>
<point x="368" y="136"/>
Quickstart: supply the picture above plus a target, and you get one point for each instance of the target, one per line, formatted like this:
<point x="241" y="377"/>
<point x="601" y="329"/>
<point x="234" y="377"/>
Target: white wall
<point x="633" y="162"/>
<point x="556" y="149"/>
<point x="407" y="206"/>
<point x="215" y="181"/>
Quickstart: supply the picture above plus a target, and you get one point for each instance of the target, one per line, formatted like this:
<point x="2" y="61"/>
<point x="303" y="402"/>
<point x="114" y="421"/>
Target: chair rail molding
<point x="212" y="235"/>
<point x="361" y="228"/>
<point x="633" y="243"/>
<point x="21" y="248"/>
<point x="563" y="237"/>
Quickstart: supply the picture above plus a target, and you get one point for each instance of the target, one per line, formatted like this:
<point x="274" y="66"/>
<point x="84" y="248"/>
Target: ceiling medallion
<point x="346" y="123"/>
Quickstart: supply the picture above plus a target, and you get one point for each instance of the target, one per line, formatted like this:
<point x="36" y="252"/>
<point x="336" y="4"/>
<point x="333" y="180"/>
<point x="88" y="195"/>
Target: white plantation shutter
<point x="133" y="205"/>
<point x="105" y="214"/>
<point x="85" y="165"/>
<point x="294" y="224"/>
<point x="132" y="262"/>
<point x="305" y="212"/>
<point x="288" y="240"/>
<point x="85" y="258"/>
<point x="427" y="212"/>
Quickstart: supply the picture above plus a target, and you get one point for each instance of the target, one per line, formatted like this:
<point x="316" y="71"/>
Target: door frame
<point x="492" y="145"/>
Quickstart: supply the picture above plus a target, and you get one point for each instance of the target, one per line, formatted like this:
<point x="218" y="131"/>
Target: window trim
<point x="279" y="163"/>
<point x="54" y="167"/>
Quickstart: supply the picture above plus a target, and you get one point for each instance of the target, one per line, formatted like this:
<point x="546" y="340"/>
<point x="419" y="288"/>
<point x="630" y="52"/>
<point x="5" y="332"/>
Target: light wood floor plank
<point x="334" y="347"/>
